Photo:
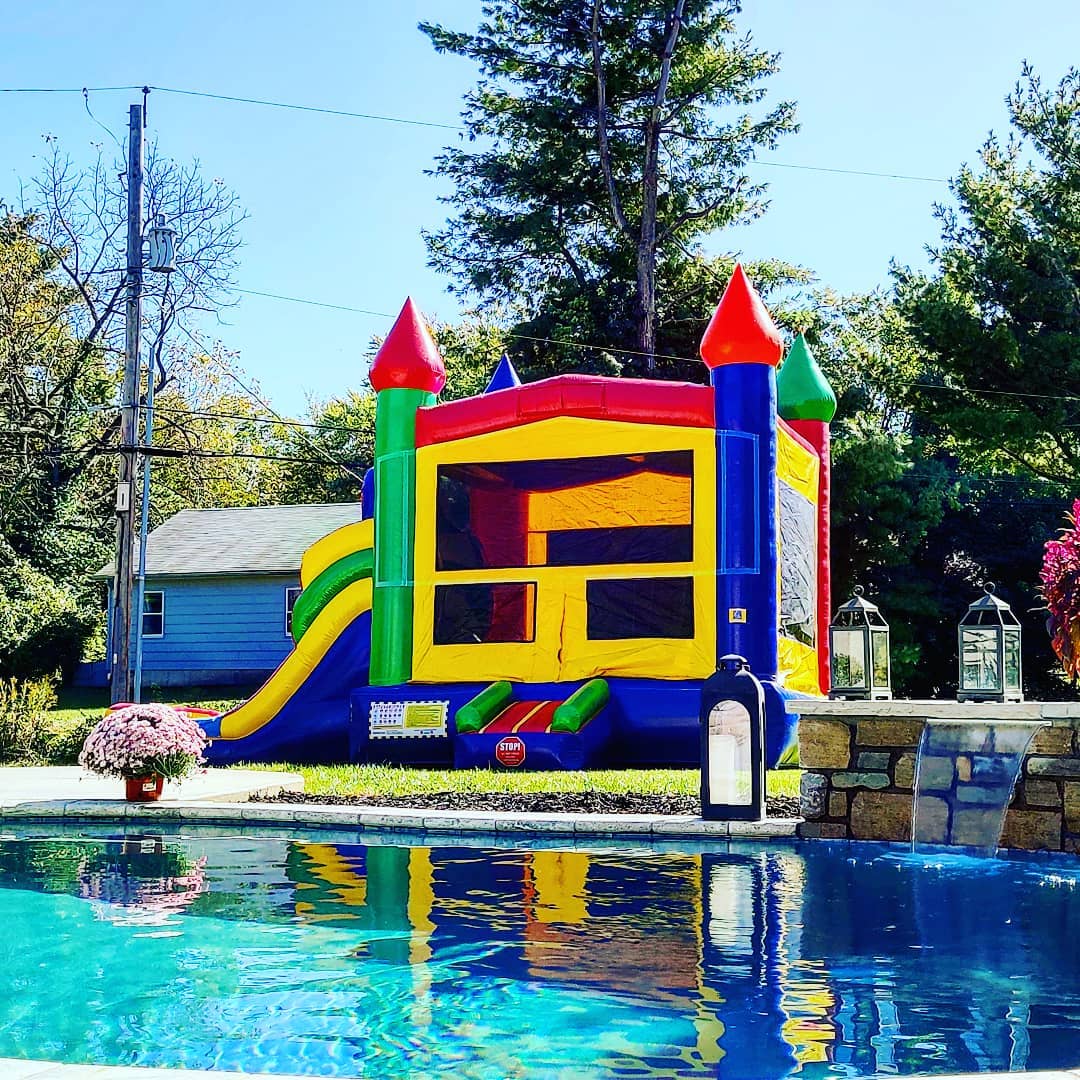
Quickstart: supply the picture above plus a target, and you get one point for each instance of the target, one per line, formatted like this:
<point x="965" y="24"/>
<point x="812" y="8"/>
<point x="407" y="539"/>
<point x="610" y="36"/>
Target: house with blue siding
<point x="220" y="586"/>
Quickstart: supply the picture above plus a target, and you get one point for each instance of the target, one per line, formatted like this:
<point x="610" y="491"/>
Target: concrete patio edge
<point x="22" y="785"/>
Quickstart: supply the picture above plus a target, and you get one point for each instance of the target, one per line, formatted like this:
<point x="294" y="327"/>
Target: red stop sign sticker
<point x="510" y="751"/>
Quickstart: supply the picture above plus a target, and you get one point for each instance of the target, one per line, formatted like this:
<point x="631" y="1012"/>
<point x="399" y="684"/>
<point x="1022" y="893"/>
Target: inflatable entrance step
<point x="523" y="716"/>
<point x="495" y="730"/>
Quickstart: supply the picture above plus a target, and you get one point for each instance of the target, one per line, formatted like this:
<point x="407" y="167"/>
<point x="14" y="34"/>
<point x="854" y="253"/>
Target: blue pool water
<point x="327" y="957"/>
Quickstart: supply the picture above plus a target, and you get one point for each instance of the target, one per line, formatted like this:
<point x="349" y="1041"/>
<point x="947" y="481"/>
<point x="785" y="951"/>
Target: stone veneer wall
<point x="860" y="771"/>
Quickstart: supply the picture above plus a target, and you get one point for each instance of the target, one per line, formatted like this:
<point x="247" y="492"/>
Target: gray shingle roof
<point x="245" y="540"/>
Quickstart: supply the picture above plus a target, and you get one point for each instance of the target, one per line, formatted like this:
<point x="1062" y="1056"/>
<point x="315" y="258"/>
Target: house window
<point x="153" y="614"/>
<point x="291" y="593"/>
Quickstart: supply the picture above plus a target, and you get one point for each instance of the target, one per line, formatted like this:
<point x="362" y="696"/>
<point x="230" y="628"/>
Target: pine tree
<point x="604" y="138"/>
<point x="1001" y="314"/>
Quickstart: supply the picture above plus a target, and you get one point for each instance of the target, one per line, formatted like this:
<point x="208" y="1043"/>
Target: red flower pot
<point x="144" y="788"/>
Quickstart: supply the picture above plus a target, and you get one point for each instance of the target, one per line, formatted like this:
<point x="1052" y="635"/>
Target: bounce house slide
<point x="301" y="712"/>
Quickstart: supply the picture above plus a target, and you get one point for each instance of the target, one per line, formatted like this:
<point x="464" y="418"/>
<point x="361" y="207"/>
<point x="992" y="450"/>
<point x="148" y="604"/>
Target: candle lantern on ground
<point x="859" y="647"/>
<point x="733" y="743"/>
<point x="989" y="651"/>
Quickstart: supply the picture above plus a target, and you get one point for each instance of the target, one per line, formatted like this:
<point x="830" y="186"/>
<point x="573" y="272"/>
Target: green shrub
<point x="65" y="740"/>
<point x="25" y="731"/>
<point x="43" y="625"/>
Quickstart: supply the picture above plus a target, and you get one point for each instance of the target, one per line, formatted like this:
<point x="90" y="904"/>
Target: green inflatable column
<point x="407" y="373"/>
<point x="806" y="401"/>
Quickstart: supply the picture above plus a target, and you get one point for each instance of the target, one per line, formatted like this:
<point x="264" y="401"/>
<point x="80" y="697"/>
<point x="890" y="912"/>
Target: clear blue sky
<point x="337" y="204"/>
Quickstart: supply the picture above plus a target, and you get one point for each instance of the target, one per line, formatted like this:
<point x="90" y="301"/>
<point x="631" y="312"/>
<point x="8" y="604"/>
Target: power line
<point x="998" y="393"/>
<point x="64" y="89"/>
<point x="518" y="337"/>
<point x="616" y="349"/>
<point x="852" y="172"/>
<point x="215" y="455"/>
<point x="514" y="337"/>
<point x="313" y="303"/>
<point x="307" y="108"/>
<point x="411" y="122"/>
<point x="184" y="452"/>
<point x="212" y="414"/>
<point x="208" y="414"/>
<point x="178" y="453"/>
<point x="459" y="127"/>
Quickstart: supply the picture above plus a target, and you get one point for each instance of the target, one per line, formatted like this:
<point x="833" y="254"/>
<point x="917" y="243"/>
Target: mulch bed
<point x="584" y="802"/>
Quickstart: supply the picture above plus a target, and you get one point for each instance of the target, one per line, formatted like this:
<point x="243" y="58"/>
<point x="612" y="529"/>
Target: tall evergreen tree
<point x="604" y="138"/>
<point x="1000" y="315"/>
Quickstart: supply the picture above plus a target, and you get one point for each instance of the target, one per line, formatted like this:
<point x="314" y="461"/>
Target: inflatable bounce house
<point x="546" y="573"/>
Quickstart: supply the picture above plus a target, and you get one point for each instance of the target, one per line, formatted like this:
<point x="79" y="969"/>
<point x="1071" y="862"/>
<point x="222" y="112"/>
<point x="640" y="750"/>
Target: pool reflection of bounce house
<point x="546" y="573"/>
<point x="703" y="951"/>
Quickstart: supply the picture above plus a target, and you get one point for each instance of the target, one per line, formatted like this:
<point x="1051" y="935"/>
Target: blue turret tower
<point x="742" y="348"/>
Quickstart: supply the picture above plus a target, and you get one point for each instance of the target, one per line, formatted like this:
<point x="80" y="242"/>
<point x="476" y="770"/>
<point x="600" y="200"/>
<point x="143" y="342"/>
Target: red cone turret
<point x="741" y="330"/>
<point x="409" y="357"/>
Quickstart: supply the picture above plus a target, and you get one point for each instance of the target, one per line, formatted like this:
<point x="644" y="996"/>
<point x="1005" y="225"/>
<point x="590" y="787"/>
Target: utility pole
<point x="120" y="624"/>
<point x="144" y="526"/>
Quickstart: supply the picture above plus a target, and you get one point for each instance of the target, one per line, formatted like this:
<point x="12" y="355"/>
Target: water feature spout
<point x="965" y="773"/>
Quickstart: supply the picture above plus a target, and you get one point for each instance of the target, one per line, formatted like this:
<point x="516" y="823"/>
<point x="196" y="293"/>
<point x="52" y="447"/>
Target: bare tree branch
<point x="601" y="125"/>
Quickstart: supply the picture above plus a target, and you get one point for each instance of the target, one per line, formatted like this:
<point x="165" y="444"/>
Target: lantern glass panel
<point x="849" y="659"/>
<point x="730" y="755"/>
<point x="979" y="670"/>
<point x="880" y="649"/>
<point x="1012" y="659"/>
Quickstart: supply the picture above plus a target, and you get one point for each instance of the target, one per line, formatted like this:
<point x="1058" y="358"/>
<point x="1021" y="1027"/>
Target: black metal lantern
<point x="990" y="651"/>
<point x="859" y="652"/>
<point x="732" y="743"/>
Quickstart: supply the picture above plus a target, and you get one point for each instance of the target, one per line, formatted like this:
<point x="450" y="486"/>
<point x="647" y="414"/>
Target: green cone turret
<point x="802" y="391"/>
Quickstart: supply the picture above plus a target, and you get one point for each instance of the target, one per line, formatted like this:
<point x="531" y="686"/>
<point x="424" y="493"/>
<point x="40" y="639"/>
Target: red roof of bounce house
<point x="591" y="397"/>
<point x="741" y="330"/>
<point x="408" y="357"/>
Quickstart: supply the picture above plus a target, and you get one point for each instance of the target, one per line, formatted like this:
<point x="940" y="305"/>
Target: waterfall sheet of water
<point x="965" y="773"/>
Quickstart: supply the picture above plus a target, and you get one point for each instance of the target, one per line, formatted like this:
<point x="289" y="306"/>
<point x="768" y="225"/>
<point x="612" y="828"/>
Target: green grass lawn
<point x="75" y="702"/>
<point x="77" y="709"/>
<point x="376" y="780"/>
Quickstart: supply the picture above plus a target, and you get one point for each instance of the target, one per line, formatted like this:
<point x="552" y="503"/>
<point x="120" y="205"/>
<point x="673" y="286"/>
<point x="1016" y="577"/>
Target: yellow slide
<point x="308" y="694"/>
<point x="300" y="664"/>
<point x="349" y="539"/>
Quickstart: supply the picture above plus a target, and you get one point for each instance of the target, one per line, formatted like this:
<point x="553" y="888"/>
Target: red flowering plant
<point x="144" y="740"/>
<point x="1060" y="578"/>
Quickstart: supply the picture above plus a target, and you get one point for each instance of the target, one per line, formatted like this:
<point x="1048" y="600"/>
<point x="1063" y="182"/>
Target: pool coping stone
<point x="404" y="819"/>
<point x="26" y="1069"/>
<point x="230" y="797"/>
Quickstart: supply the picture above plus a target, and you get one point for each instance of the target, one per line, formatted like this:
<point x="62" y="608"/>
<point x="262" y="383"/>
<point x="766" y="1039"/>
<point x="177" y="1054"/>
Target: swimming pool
<point x="321" y="955"/>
